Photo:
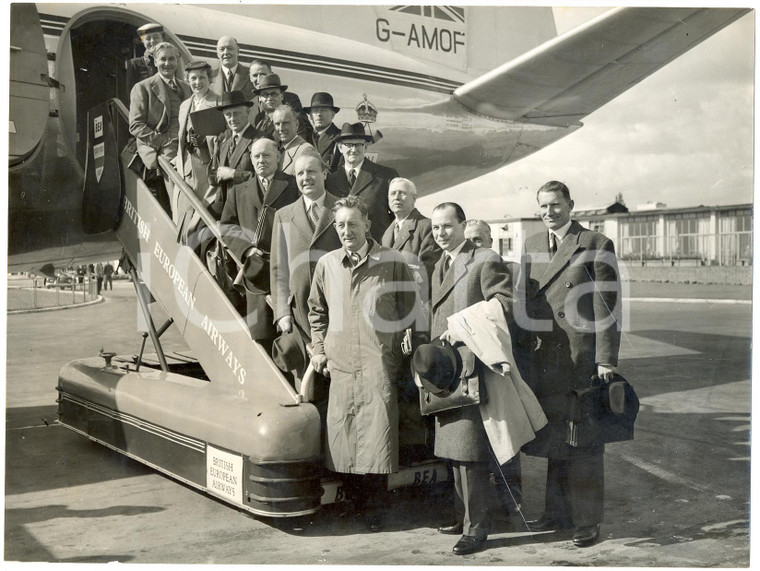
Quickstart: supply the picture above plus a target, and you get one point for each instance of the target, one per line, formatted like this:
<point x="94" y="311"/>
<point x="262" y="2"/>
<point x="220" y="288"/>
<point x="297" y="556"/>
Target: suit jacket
<point x="242" y="223"/>
<point x="574" y="301"/>
<point x="212" y="100"/>
<point x="240" y="81"/>
<point x="149" y="117"/>
<point x="371" y="185"/>
<point x="240" y="159"/>
<point x="477" y="274"/>
<point x="416" y="243"/>
<point x="296" y="247"/>
<point x="291" y="152"/>
<point x="327" y="147"/>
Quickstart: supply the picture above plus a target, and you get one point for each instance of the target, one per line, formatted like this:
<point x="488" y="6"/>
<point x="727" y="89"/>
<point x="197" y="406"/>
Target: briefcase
<point x="602" y="413"/>
<point x="466" y="390"/>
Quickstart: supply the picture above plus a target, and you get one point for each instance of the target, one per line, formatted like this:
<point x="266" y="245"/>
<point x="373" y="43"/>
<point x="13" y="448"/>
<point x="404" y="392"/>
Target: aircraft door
<point x="29" y="88"/>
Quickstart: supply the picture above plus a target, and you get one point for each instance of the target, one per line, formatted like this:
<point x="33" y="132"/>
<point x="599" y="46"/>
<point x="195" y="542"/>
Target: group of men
<point x="340" y="270"/>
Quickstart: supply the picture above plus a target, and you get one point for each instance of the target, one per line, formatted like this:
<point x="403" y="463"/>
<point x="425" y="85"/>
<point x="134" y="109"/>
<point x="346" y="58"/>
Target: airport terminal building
<point x="652" y="234"/>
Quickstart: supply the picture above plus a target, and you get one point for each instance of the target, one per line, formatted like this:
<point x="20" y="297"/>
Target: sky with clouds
<point x="683" y="136"/>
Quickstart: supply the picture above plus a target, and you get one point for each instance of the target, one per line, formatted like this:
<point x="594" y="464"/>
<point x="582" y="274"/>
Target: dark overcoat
<point x="371" y="185"/>
<point x="296" y="247"/>
<point x="477" y="274"/>
<point x="325" y="144"/>
<point x="240" y="81"/>
<point x="573" y="303"/>
<point x="416" y="243"/>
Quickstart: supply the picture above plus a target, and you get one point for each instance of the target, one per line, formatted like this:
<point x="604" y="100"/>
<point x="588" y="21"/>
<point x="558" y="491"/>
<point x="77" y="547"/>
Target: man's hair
<point x="352" y="202"/>
<point x="263" y="62"/>
<point x="273" y="144"/>
<point x="286" y="109"/>
<point x="406" y="181"/>
<point x="555" y="186"/>
<point x="166" y="46"/>
<point x="457" y="209"/>
<point x="482" y="223"/>
<point x="234" y="41"/>
<point x="312" y="153"/>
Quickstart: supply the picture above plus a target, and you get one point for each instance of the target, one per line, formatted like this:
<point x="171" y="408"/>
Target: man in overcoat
<point x="246" y="224"/>
<point x="362" y="300"/>
<point x="322" y="111"/>
<point x="570" y="288"/>
<point x="464" y="275"/>
<point x="361" y="177"/>
<point x="143" y="67"/>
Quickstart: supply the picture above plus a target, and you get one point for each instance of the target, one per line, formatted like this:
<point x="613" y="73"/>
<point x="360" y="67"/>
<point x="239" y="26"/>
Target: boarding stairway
<point x="234" y="409"/>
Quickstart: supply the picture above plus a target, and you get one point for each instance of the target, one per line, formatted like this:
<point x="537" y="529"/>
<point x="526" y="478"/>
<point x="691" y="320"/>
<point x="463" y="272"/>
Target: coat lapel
<point x="242" y="147"/>
<point x="457" y="270"/>
<point x="363" y="180"/>
<point x="275" y="189"/>
<point x="299" y="219"/>
<point x="565" y="251"/>
<point x="326" y="217"/>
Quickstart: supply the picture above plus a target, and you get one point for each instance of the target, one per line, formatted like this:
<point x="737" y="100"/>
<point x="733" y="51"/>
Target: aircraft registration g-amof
<point x="457" y="92"/>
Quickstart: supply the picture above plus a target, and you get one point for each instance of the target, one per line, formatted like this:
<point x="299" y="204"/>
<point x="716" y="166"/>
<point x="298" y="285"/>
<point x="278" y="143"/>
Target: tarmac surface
<point x="676" y="496"/>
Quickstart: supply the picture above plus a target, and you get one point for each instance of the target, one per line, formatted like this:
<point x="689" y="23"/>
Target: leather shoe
<point x="546" y="523"/>
<point x="586" y="536"/>
<point x="453" y="529"/>
<point x="469" y="544"/>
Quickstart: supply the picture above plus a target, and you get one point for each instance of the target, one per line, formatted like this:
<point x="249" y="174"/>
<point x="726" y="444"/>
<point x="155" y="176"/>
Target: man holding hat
<point x="463" y="276"/>
<point x="362" y="178"/>
<point x="322" y="111"/>
<point x="362" y="301"/>
<point x="231" y="75"/>
<point x="143" y="67"/>
<point x="246" y="223"/>
<point x="154" y="117"/>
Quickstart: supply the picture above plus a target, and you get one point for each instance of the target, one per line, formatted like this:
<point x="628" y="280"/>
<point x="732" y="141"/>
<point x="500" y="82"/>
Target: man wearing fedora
<point x="143" y="67"/>
<point x="246" y="223"/>
<point x="154" y="117"/>
<point x="570" y="286"/>
<point x="362" y="301"/>
<point x="463" y="276"/>
<point x="231" y="75"/>
<point x="231" y="162"/>
<point x="270" y="94"/>
<point x="322" y="111"/>
<point x="363" y="178"/>
<point x="292" y="145"/>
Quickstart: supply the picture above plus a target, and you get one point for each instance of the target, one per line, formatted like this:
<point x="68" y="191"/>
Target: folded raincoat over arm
<point x="511" y="414"/>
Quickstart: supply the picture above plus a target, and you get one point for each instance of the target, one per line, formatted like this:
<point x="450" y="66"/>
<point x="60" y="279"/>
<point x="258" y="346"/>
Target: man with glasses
<point x="362" y="178"/>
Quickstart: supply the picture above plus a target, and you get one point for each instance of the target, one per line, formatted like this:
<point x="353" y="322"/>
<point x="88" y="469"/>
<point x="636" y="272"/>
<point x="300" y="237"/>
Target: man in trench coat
<point x="362" y="300"/>
<point x="570" y="287"/>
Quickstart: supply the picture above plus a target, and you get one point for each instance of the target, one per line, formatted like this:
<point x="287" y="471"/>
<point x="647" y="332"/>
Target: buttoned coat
<point x="296" y="247"/>
<point x="358" y="316"/>
<point x="240" y="81"/>
<point x="371" y="185"/>
<point x="416" y="243"/>
<point x="574" y="302"/>
<point x="149" y="118"/>
<point x="477" y="274"/>
<point x="325" y="144"/>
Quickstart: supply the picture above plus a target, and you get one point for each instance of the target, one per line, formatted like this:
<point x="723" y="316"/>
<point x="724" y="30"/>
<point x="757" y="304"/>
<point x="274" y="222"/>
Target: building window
<point x="596" y="226"/>
<point x="638" y="238"/>
<point x="688" y="236"/>
<point x="735" y="232"/>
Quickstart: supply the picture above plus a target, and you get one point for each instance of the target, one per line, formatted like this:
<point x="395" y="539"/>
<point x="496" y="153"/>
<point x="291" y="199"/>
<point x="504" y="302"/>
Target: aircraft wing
<point x="565" y="79"/>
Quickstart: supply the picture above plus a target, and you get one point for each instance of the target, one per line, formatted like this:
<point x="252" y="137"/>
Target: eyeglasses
<point x="353" y="145"/>
<point x="269" y="94"/>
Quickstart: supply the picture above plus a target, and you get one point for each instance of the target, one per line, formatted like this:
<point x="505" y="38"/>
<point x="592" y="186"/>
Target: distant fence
<point x="42" y="294"/>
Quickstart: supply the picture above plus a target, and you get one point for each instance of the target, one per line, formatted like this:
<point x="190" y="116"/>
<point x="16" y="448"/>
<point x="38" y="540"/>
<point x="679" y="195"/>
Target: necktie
<point x="173" y="85"/>
<point x="265" y="184"/>
<point x="351" y="177"/>
<point x="355" y="259"/>
<point x="446" y="263"/>
<point x="552" y="243"/>
<point x="233" y="144"/>
<point x="314" y="215"/>
<point x="396" y="230"/>
<point x="227" y="80"/>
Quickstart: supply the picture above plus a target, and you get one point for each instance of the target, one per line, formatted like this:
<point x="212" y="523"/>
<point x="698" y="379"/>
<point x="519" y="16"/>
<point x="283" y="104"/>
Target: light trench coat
<point x="512" y="414"/>
<point x="358" y="316"/>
